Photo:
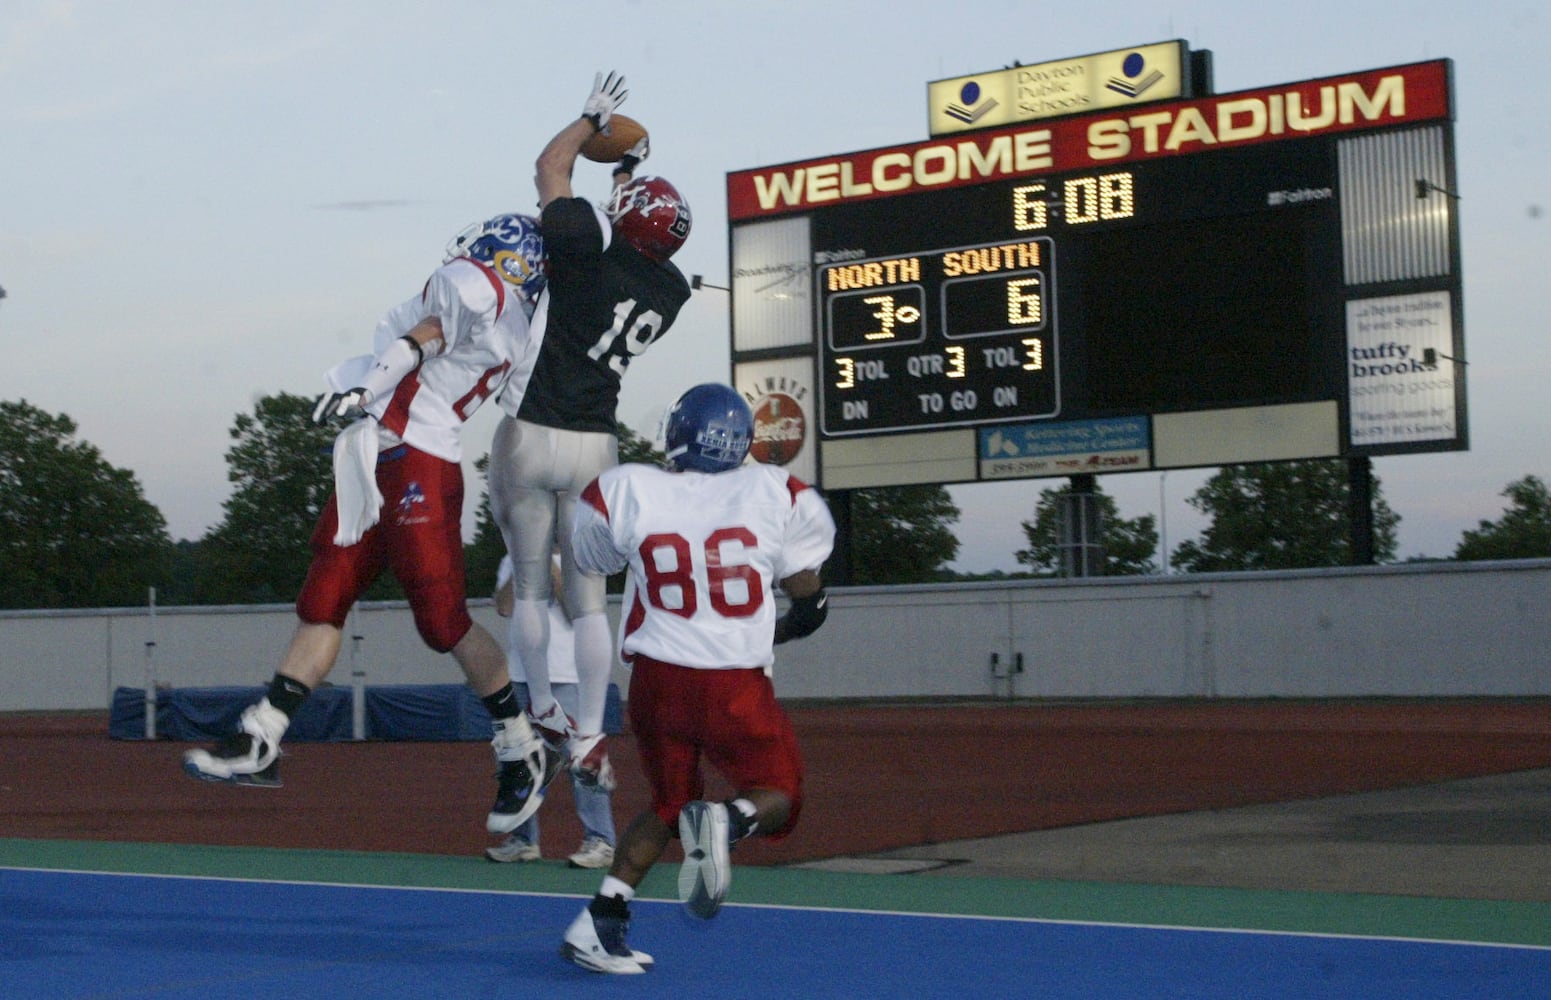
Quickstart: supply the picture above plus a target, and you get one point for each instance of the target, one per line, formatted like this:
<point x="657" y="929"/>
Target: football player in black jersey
<point x="612" y="292"/>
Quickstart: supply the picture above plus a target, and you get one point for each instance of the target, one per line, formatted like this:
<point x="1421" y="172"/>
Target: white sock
<point x="594" y="664"/>
<point x="528" y="631"/>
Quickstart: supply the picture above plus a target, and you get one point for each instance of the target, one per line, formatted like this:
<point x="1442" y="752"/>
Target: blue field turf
<point x="79" y="935"/>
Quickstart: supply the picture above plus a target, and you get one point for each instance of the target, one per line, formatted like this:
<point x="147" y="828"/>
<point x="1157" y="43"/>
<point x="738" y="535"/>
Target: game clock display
<point x="1146" y="288"/>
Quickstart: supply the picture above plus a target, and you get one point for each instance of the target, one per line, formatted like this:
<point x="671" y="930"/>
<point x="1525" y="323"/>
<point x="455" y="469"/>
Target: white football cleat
<point x="707" y="871"/>
<point x="590" y="761"/>
<point x="525" y="765"/>
<point x="248" y="757"/>
<point x="554" y="726"/>
<point x="514" y="849"/>
<point x="598" y="945"/>
<point x="595" y="852"/>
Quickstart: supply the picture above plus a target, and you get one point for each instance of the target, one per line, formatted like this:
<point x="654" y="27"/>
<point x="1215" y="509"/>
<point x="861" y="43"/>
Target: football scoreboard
<point x="1244" y="277"/>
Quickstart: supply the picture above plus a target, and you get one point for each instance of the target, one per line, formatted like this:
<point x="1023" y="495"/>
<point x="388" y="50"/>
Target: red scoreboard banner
<point x="1372" y="99"/>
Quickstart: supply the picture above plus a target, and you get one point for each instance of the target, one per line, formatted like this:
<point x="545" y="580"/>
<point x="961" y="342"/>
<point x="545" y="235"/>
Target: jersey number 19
<point x="637" y="339"/>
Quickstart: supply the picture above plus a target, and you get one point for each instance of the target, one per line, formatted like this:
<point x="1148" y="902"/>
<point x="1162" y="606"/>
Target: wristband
<point x="803" y="618"/>
<point x="396" y="360"/>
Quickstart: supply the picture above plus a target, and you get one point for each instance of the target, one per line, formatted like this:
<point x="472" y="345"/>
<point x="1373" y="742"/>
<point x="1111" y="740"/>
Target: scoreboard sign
<point x="1245" y="277"/>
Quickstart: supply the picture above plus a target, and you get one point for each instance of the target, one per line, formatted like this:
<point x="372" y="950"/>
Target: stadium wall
<point x="1414" y="630"/>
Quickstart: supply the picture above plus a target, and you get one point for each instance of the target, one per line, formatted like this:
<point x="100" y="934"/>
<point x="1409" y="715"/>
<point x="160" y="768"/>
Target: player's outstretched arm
<point x="608" y="93"/>
<point x="552" y="172"/>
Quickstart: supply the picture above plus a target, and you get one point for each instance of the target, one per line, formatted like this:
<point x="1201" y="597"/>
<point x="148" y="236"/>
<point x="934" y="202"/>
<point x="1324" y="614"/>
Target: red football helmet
<point x="649" y="214"/>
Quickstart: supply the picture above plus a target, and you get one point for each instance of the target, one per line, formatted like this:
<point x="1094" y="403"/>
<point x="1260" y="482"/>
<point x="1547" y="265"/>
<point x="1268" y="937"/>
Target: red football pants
<point x="419" y="538"/>
<point x="731" y="717"/>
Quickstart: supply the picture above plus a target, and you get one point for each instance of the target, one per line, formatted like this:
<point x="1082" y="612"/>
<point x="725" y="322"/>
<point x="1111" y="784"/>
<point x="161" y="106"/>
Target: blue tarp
<point x="393" y="712"/>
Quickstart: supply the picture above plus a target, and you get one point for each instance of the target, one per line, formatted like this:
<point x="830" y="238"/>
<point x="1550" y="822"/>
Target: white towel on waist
<point x="355" y="481"/>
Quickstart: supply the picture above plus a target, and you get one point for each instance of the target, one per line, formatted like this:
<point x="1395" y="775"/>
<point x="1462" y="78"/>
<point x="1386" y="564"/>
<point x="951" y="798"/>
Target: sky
<point x="203" y="203"/>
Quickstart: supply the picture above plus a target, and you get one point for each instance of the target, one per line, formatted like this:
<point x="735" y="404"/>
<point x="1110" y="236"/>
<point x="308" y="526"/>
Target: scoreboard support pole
<point x="1360" y="509"/>
<point x="1080" y="529"/>
<point x="838" y="571"/>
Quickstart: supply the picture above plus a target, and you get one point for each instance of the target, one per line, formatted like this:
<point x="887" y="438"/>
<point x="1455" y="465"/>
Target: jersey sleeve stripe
<point x="396" y="417"/>
<point x="496" y="283"/>
<point x="794" y="486"/>
<point x="592" y="496"/>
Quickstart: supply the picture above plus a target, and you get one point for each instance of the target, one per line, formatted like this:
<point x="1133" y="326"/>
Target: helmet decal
<point x="514" y="268"/>
<point x="511" y="245"/>
<point x="650" y="215"/>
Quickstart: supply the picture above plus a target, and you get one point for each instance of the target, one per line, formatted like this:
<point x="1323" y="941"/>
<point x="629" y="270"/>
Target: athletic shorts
<point x="419" y="537"/>
<point x="730" y="717"/>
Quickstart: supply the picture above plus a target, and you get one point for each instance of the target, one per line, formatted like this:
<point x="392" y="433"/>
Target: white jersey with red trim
<point x="485" y="335"/>
<point x="704" y="552"/>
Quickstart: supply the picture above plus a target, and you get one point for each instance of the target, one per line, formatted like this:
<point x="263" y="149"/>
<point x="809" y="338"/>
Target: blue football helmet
<point x="708" y="429"/>
<point x="512" y="245"/>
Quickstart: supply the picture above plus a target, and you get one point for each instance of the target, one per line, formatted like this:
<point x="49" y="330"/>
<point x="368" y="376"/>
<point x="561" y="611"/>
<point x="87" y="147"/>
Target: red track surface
<point x="879" y="777"/>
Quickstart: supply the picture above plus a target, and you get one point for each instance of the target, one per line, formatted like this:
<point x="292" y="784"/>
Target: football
<point x="614" y="141"/>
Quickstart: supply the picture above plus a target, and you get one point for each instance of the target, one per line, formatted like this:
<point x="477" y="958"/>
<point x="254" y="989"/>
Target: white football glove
<point x="341" y="407"/>
<point x="632" y="159"/>
<point x="607" y="94"/>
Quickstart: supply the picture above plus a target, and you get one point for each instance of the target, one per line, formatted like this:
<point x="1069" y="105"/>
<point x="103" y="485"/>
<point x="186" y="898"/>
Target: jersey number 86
<point x="718" y="574"/>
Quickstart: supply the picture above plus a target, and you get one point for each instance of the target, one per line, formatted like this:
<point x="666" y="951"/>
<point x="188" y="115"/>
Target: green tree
<point x="1285" y="515"/>
<point x="75" y="532"/>
<point x="1129" y="544"/>
<point x="183" y="574"/>
<point x="482" y="557"/>
<point x="282" y="469"/>
<point x="635" y="448"/>
<point x="902" y="534"/>
<point x="1524" y="530"/>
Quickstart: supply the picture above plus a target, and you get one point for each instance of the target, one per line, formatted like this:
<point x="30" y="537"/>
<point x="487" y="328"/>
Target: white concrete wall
<point x="1420" y="630"/>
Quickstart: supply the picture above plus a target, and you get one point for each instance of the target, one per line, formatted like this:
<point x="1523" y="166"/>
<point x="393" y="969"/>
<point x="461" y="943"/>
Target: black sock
<point x="503" y="704"/>
<point x="287" y="694"/>
<point x="609" y="906"/>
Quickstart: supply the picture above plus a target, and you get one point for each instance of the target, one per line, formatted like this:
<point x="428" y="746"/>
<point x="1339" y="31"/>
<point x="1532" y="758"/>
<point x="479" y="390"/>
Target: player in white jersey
<point x="705" y="545"/>
<point x="612" y="292"/>
<point x="438" y="356"/>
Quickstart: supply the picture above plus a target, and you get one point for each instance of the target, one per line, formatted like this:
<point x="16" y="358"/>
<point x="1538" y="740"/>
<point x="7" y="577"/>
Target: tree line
<point x="76" y="532"/>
